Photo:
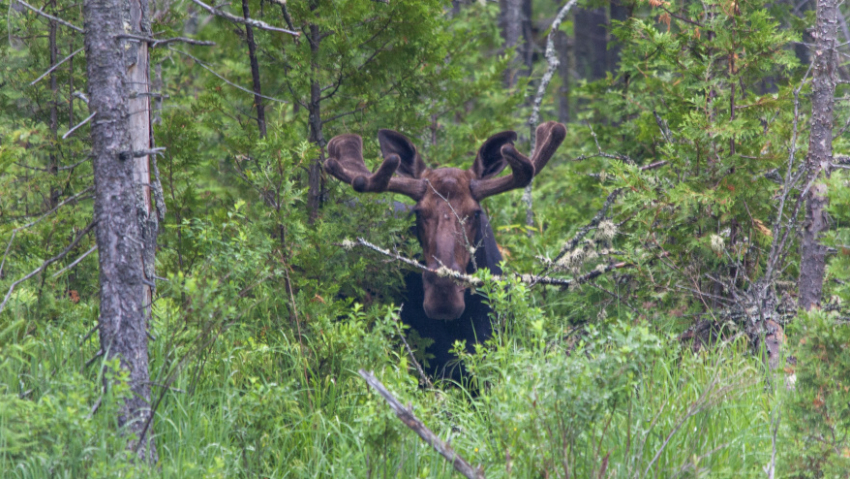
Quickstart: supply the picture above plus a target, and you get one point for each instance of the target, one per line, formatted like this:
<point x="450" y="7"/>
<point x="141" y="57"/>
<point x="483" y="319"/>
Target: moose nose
<point x="443" y="311"/>
<point x="443" y="298"/>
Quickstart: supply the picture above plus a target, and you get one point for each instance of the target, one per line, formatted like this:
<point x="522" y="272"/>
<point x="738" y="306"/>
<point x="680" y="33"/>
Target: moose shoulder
<point x="453" y="231"/>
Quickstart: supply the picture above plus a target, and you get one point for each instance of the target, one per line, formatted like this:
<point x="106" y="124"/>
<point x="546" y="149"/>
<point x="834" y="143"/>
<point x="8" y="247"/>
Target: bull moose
<point x="450" y="225"/>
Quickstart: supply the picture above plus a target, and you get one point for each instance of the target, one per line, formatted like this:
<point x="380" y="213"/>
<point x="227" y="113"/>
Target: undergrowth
<point x="612" y="399"/>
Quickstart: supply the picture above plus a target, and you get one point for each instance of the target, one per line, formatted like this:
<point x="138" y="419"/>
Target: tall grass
<point x="262" y="401"/>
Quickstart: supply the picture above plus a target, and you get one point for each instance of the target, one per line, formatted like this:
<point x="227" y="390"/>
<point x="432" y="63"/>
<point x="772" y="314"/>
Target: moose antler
<point x="346" y="164"/>
<point x="549" y="136"/>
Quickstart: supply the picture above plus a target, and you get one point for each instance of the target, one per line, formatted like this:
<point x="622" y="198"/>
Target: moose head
<point x="448" y="206"/>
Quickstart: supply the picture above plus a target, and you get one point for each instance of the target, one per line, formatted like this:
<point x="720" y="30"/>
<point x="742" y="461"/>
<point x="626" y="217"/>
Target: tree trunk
<point x="618" y="12"/>
<point x="515" y="21"/>
<point x="591" y="45"/>
<point x="527" y="49"/>
<point x="314" y="195"/>
<point x="126" y="228"/>
<point x="255" y="71"/>
<point x="53" y="161"/>
<point x="812" y="260"/>
<point x="562" y="45"/>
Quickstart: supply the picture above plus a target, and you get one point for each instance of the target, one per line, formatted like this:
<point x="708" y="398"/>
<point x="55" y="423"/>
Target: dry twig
<point x="51" y="17"/>
<point x="244" y="21"/>
<point x="47" y="263"/>
<point x="553" y="62"/>
<point x="411" y="421"/>
<point x="468" y="280"/>
<point x="54" y="67"/>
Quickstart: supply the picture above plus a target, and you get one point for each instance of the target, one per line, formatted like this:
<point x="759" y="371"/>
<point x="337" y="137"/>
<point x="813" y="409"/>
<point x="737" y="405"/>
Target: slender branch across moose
<point x="446" y="200"/>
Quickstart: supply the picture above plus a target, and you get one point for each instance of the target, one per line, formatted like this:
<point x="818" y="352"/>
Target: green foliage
<point x="818" y="410"/>
<point x="263" y="318"/>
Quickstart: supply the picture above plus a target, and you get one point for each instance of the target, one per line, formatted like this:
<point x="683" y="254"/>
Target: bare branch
<point x="75" y="262"/>
<point x="151" y="152"/>
<point x="225" y="80"/>
<point x="51" y="17"/>
<point x="158" y="193"/>
<point x="47" y="263"/>
<point x="81" y="96"/>
<point x="54" y="67"/>
<point x="468" y="280"/>
<point x="411" y="421"/>
<point x="600" y="215"/>
<point x="553" y="62"/>
<point x="652" y="166"/>
<point x="422" y="375"/>
<point x="155" y="43"/>
<point x="72" y="130"/>
<point x="36" y="221"/>
<point x="244" y="21"/>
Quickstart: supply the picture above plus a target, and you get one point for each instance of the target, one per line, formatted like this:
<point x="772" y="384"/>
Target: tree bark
<point x="591" y="45"/>
<point x="255" y="71"/>
<point x="125" y="231"/>
<point x="562" y="45"/>
<point x="618" y="12"/>
<point x="515" y="21"/>
<point x="53" y="162"/>
<point x="813" y="254"/>
<point x="314" y="195"/>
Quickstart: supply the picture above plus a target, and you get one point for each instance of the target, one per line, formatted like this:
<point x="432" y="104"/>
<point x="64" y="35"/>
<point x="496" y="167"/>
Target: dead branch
<point x="81" y="96"/>
<point x="75" y="262"/>
<point x="468" y="280"/>
<point x="553" y="62"/>
<point x="600" y="215"/>
<point x="155" y="43"/>
<point x="150" y="152"/>
<point x="652" y="166"/>
<point x="75" y="128"/>
<point x="51" y="17"/>
<point x="422" y="375"/>
<point x="225" y="80"/>
<point x="54" y="67"/>
<point x="158" y="193"/>
<point x="47" y="263"/>
<point x="244" y="21"/>
<point x="36" y="221"/>
<point x="411" y="421"/>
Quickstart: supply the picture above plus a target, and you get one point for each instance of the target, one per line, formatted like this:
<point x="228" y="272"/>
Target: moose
<point x="451" y="227"/>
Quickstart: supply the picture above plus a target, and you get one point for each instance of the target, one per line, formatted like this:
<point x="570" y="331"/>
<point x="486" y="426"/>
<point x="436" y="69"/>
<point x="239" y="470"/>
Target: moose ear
<point x="394" y="143"/>
<point x="490" y="161"/>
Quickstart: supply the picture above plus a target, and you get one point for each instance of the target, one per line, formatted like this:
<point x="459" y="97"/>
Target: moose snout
<point x="443" y="298"/>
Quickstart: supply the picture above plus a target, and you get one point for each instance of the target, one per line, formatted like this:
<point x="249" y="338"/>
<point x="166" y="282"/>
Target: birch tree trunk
<point x="813" y="254"/>
<point x="126" y="227"/>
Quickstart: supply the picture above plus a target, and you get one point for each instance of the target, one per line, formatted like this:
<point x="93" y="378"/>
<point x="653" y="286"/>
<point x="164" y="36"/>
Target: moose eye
<point x="477" y="214"/>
